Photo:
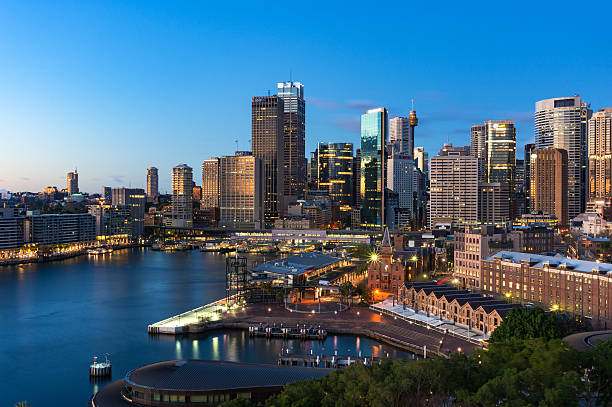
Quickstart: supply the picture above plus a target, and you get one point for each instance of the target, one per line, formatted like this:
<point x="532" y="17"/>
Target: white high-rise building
<point x="182" y="189"/>
<point x="562" y="123"/>
<point x="454" y="187"/>
<point x="400" y="135"/>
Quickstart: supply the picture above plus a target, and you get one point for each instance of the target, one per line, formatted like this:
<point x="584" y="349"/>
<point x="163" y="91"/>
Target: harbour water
<point x="55" y="316"/>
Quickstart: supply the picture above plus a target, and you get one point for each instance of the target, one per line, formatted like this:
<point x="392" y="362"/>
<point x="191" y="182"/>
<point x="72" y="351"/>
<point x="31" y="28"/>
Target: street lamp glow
<point x="374" y="257"/>
<point x="414" y="258"/>
<point x="555" y="307"/>
<point x="507" y="295"/>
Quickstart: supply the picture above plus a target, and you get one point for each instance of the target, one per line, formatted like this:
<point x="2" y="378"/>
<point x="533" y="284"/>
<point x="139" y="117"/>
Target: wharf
<point x="297" y="332"/>
<point x="323" y="361"/>
<point x="358" y="321"/>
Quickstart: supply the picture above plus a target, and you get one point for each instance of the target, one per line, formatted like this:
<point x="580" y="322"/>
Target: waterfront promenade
<point x="355" y="321"/>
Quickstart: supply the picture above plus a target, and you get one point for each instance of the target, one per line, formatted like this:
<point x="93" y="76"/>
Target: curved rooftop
<point x="207" y="375"/>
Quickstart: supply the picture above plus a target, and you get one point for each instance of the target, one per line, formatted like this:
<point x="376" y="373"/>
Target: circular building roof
<point x="206" y="375"/>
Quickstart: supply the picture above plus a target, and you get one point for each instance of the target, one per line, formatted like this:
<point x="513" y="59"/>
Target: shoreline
<point x="60" y="257"/>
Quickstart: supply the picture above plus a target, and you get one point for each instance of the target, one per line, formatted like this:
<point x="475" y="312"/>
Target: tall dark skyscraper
<point x="374" y="130"/>
<point x="334" y="171"/>
<point x="267" y="139"/>
<point x="294" y="139"/>
<point x="562" y="123"/>
<point x="527" y="187"/>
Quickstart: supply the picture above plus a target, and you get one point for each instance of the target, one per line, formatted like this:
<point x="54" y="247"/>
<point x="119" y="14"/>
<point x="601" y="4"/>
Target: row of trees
<point x="534" y="367"/>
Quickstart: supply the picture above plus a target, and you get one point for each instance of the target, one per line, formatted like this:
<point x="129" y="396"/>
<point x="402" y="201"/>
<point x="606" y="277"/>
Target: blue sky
<point x="114" y="87"/>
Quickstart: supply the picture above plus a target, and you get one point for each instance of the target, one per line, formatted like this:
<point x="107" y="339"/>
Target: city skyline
<point x="114" y="115"/>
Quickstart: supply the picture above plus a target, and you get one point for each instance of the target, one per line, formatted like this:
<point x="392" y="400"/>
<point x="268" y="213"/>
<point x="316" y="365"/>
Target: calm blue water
<point x="54" y="317"/>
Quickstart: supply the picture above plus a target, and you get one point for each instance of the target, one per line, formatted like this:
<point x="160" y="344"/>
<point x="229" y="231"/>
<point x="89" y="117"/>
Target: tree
<point x="597" y="367"/>
<point x="346" y="290"/>
<point x="363" y="251"/>
<point x="364" y="292"/>
<point x="527" y="323"/>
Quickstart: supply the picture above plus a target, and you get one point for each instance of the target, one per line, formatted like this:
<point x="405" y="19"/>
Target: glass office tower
<point x="374" y="129"/>
<point x="500" y="151"/>
<point x="562" y="123"/>
<point x="335" y="171"/>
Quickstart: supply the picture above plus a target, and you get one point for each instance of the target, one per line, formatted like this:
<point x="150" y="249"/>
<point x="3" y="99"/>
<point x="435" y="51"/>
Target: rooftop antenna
<point x="236" y="141"/>
<point x="268" y="92"/>
<point x="412" y="104"/>
<point x="290" y="76"/>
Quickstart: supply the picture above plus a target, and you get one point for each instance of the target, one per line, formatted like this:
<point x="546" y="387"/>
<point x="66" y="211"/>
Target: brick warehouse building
<point x="460" y="306"/>
<point x="582" y="288"/>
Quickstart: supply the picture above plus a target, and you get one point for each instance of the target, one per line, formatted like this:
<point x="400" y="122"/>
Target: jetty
<point x="323" y="361"/>
<point x="288" y="332"/>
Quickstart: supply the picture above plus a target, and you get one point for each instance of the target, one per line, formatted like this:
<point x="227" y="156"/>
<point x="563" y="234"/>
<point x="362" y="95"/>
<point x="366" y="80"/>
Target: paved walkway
<point x="357" y="318"/>
<point x="587" y="340"/>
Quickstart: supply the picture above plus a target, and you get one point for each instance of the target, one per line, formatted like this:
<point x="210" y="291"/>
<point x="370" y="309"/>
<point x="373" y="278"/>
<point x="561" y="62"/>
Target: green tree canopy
<point x="527" y="323"/>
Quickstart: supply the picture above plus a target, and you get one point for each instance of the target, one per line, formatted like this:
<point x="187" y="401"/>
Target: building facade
<point x="374" y="130"/>
<point x="112" y="221"/>
<point x="400" y="135"/>
<point x="475" y="243"/>
<point x="582" y="288"/>
<point x="549" y="182"/>
<point x="599" y="149"/>
<point x="400" y="179"/>
<point x="334" y="171"/>
<point x="72" y="182"/>
<point x="454" y="186"/>
<point x="135" y="199"/>
<point x="55" y="229"/>
<point x="386" y="274"/>
<point x="152" y="184"/>
<point x="241" y="191"/>
<point x="494" y="203"/>
<point x="562" y="123"/>
<point x="294" y="139"/>
<point x="182" y="188"/>
<point x="267" y="138"/>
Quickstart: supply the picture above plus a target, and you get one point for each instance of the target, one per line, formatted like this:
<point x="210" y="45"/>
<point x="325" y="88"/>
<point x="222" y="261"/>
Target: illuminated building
<point x="599" y="148"/>
<point x="182" y="188"/>
<point x="454" y="186"/>
<point x="267" y="137"/>
<point x="400" y="179"/>
<point x="581" y="288"/>
<point x="493" y="203"/>
<point x="152" y="184"/>
<point x="562" y="123"/>
<point x="334" y="171"/>
<point x="55" y="229"/>
<point x="374" y="129"/>
<point x="294" y="139"/>
<point x="112" y="221"/>
<point x="241" y="191"/>
<point x="386" y="273"/>
<point x="135" y="199"/>
<point x="72" y="182"/>
<point x="549" y="182"/>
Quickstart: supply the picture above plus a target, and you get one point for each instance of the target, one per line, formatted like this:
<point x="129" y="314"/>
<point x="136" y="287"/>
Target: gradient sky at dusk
<point x="114" y="87"/>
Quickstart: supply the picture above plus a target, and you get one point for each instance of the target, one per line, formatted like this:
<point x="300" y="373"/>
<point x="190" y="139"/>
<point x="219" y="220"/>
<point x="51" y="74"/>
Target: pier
<point x="296" y="332"/>
<point x="323" y="361"/>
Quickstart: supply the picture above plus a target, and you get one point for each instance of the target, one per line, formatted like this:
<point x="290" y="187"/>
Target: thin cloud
<point x="347" y="122"/>
<point x="117" y="178"/>
<point x="359" y="104"/>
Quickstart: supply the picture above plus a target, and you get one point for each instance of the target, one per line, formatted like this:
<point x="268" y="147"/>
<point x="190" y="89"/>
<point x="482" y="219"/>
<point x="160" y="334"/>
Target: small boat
<point x="100" y="369"/>
<point x="99" y="250"/>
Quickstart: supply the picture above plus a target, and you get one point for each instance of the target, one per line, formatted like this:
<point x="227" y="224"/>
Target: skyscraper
<point x="400" y="134"/>
<point x="135" y="199"/>
<point x="600" y="155"/>
<point x="562" y="123"/>
<point x="267" y="121"/>
<point x="500" y="147"/>
<point x="152" y="184"/>
<point x="357" y="180"/>
<point x="454" y="187"/>
<point x="210" y="183"/>
<point x="182" y="188"/>
<point x="527" y="187"/>
<point x="72" y="182"/>
<point x="549" y="182"/>
<point x="400" y="179"/>
<point x="374" y="129"/>
<point x="241" y="191"/>
<point x="294" y="139"/>
<point x="421" y="159"/>
<point x="334" y="171"/>
<point x="493" y="198"/>
<point x="478" y="141"/>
